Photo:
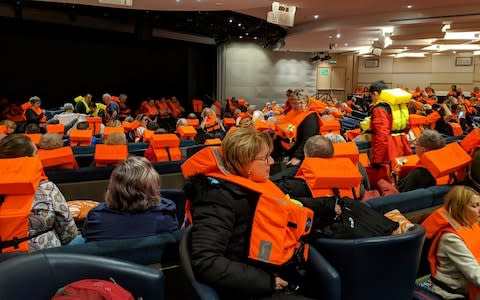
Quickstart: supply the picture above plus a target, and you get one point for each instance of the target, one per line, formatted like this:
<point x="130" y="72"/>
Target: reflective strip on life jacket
<point x="56" y="128"/>
<point x="94" y="124"/>
<point x="19" y="180"/>
<point x="110" y="154"/>
<point x="346" y="150"/>
<point x="440" y="222"/>
<point x="324" y="175"/>
<point x="278" y="223"/>
<point x="186" y="131"/>
<point x="61" y="158"/>
<point x="449" y="160"/>
<point x="80" y="137"/>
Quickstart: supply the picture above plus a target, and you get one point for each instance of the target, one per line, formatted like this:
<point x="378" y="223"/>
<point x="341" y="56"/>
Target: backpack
<point x="359" y="221"/>
<point x="92" y="289"/>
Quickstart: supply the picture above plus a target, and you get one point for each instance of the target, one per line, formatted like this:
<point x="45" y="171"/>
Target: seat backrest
<point x="203" y="291"/>
<point x="42" y="274"/>
<point x="375" y="268"/>
<point x="177" y="196"/>
<point x="404" y="202"/>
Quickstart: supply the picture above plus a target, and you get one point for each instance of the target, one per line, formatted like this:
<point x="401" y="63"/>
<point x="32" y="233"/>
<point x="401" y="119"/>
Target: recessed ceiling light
<point x="454" y="52"/>
<point x="178" y="1"/>
<point x="241" y="36"/>
<point x="346" y="44"/>
<point x="239" y="24"/>
<point x="338" y="35"/>
<point x="255" y="38"/>
<point x="405" y="48"/>
<point x="230" y="21"/>
<point x="315" y="17"/>
<point x="409" y="6"/>
<point x="246" y="33"/>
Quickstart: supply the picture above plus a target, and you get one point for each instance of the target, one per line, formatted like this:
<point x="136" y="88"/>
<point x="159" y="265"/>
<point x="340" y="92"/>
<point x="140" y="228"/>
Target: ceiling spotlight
<point x="409" y="6"/>
<point x="240" y="37"/>
<point x="445" y="27"/>
<point x="330" y="36"/>
<point x="338" y="35"/>
<point x="239" y="24"/>
<point x="178" y="1"/>
<point x="255" y="38"/>
<point x="346" y="44"/>
<point x="229" y="20"/>
<point x="315" y="17"/>
<point x="246" y="33"/>
<point x="405" y="48"/>
<point x="454" y="52"/>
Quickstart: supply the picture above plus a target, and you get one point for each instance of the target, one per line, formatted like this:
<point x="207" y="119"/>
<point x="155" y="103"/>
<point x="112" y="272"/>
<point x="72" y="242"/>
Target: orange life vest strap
<point x="110" y="154"/>
<point x="56" y="128"/>
<point x="60" y="157"/>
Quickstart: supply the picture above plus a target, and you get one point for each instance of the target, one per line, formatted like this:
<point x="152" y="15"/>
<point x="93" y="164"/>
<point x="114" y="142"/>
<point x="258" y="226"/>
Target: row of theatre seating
<point x="339" y="265"/>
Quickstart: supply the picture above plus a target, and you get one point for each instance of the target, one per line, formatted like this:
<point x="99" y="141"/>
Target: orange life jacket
<point x="80" y="137"/>
<point x="446" y="164"/>
<point x="363" y="159"/>
<point x="416" y="123"/>
<point x="330" y="177"/>
<point x="166" y="147"/>
<point x="471" y="142"/>
<point x="346" y="150"/>
<point x="211" y="123"/>
<point x="110" y="154"/>
<point x="19" y="182"/>
<point x="94" y="123"/>
<point x="278" y="224"/>
<point x="352" y="134"/>
<point x="176" y="108"/>
<point x="186" y="132"/>
<point x="440" y="222"/>
<point x="456" y="128"/>
<point x="147" y="135"/>
<point x="336" y="114"/>
<point x="35" y="137"/>
<point x="162" y="109"/>
<point x="130" y="126"/>
<point x="150" y="110"/>
<point x="195" y="123"/>
<point x="317" y="106"/>
<point x="231" y="105"/>
<point x="433" y="118"/>
<point x="61" y="158"/>
<point x="262" y="125"/>
<point x="197" y="105"/>
<point x="108" y="130"/>
<point x="56" y="128"/>
<point x="229" y="121"/>
<point x="37" y="110"/>
<point x="216" y="141"/>
<point x="3" y="129"/>
<point x="329" y="126"/>
<point x="287" y="130"/>
<point x="218" y="105"/>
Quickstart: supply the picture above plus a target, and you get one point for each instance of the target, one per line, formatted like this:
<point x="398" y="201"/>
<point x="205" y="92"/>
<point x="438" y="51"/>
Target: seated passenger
<point x="455" y="251"/>
<point x="10" y="126"/>
<point x="226" y="194"/>
<point x="86" y="126"/>
<point x="51" y="224"/>
<point x="421" y="177"/>
<point x="116" y="138"/>
<point x="133" y="207"/>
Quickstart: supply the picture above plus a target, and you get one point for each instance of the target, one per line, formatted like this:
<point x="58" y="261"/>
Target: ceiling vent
<point x="282" y="14"/>
<point x="117" y="2"/>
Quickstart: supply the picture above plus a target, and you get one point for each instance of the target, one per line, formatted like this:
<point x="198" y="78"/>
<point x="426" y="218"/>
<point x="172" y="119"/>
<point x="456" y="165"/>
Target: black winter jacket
<point x="222" y="219"/>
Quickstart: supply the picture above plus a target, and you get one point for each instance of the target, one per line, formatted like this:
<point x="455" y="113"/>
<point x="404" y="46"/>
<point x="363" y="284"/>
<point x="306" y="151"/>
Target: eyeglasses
<point x="265" y="159"/>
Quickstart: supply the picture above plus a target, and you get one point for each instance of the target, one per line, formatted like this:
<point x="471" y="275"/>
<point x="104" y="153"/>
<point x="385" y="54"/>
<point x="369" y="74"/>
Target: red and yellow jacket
<point x="278" y="223"/>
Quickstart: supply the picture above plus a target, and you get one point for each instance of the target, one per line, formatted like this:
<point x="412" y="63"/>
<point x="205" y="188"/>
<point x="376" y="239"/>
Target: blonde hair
<point x="134" y="186"/>
<point x="9" y="124"/>
<point x="50" y="141"/>
<point x="241" y="146"/>
<point x="114" y="123"/>
<point x="300" y="95"/>
<point x="116" y="138"/>
<point x="456" y="202"/>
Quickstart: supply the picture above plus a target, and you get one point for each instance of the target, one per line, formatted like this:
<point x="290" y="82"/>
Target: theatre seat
<point x="375" y="268"/>
<point x="39" y="276"/>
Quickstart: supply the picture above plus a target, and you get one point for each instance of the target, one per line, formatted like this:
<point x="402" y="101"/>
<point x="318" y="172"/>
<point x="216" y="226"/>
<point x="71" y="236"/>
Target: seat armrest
<point x="326" y="277"/>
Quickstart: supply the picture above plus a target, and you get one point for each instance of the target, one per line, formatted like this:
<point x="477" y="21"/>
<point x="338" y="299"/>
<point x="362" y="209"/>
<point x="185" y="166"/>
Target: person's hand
<point x="338" y="209"/>
<point x="43" y="111"/>
<point x="280" y="284"/>
<point x="294" y="161"/>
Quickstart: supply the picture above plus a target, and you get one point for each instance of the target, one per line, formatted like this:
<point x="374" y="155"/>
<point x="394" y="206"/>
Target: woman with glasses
<point x="227" y="188"/>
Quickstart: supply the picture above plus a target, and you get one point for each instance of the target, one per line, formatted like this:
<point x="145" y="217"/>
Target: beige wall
<point x="437" y="71"/>
<point x="261" y="75"/>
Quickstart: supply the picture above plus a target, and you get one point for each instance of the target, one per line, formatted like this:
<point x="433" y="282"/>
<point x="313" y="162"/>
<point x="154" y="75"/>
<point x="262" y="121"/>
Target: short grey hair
<point x="318" y="146"/>
<point x="335" y="138"/>
<point x="431" y="140"/>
